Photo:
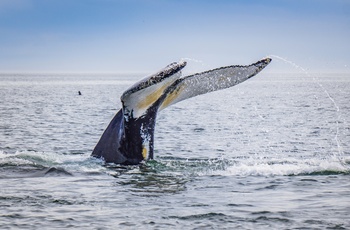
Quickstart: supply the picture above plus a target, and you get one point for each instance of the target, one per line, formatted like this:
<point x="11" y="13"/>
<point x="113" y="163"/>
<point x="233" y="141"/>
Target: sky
<point x="110" y="36"/>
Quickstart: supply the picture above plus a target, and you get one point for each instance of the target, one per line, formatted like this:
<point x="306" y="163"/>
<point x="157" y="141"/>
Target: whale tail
<point x="129" y="137"/>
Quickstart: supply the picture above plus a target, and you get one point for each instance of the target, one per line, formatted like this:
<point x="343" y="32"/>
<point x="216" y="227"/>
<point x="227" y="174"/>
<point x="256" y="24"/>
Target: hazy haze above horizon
<point x="145" y="35"/>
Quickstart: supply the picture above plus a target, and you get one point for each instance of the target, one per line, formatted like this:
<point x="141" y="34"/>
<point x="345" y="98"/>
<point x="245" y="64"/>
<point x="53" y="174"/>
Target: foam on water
<point x="287" y="168"/>
<point x="250" y="166"/>
<point x="74" y="164"/>
<point x="259" y="167"/>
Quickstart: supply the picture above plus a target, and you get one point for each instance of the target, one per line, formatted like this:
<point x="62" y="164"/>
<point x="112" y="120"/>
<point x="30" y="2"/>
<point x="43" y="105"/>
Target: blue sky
<point x="144" y="35"/>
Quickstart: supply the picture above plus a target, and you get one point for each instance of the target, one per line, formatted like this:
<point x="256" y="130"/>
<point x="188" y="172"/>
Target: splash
<point x="194" y="67"/>
<point x="251" y="166"/>
<point x="192" y="60"/>
<point x="292" y="167"/>
<point x="27" y="162"/>
<point x="336" y="107"/>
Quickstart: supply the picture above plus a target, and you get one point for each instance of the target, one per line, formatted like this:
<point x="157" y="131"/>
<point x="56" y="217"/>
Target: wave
<point x="33" y="164"/>
<point x="251" y="166"/>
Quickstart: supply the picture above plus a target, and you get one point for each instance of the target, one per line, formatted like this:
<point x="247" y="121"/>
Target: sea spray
<point x="340" y="153"/>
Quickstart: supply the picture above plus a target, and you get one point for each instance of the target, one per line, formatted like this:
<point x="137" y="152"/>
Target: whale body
<point x="129" y="137"/>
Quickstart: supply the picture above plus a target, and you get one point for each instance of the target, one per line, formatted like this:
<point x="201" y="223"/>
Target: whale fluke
<point x="129" y="137"/>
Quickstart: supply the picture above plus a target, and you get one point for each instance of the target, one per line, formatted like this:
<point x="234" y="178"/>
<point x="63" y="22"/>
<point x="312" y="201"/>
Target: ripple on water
<point x="272" y="160"/>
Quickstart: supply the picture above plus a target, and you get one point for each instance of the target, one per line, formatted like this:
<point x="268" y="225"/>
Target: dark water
<point x="272" y="152"/>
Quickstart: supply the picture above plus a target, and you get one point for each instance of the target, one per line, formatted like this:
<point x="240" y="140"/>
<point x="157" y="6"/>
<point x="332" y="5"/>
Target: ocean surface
<point x="270" y="153"/>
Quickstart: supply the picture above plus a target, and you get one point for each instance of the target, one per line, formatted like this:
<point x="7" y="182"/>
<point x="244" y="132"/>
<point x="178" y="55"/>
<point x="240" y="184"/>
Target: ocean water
<point x="272" y="152"/>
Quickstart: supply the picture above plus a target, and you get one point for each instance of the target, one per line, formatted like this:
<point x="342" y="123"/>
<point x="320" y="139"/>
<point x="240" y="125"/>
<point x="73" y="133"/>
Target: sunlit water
<point x="272" y="152"/>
